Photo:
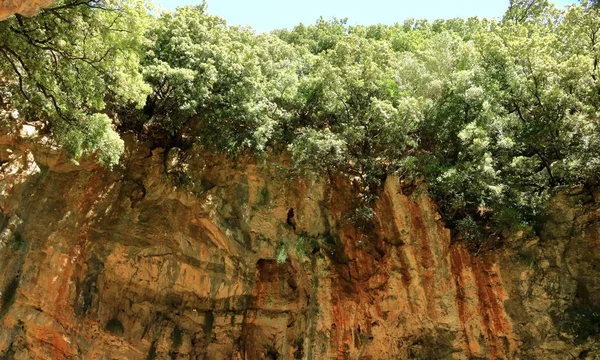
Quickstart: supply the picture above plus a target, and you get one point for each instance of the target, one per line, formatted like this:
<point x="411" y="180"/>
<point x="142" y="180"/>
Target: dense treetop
<point x="66" y="64"/>
<point x="494" y="115"/>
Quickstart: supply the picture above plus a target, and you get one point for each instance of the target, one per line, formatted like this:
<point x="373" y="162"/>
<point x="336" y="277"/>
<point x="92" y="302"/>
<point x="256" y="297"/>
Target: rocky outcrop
<point x="177" y="254"/>
<point x="23" y="7"/>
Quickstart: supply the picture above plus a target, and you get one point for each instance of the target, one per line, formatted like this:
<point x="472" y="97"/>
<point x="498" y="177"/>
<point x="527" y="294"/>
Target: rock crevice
<point x="142" y="263"/>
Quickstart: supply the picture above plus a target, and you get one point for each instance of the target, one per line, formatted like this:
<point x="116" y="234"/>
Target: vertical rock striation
<point x="181" y="255"/>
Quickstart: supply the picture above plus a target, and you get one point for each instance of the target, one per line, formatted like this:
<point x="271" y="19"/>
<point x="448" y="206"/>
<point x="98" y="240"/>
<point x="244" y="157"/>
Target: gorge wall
<point x="23" y="7"/>
<point x="174" y="255"/>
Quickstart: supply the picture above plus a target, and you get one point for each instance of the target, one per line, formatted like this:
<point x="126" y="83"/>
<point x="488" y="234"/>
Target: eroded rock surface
<point x="22" y="7"/>
<point x="179" y="255"/>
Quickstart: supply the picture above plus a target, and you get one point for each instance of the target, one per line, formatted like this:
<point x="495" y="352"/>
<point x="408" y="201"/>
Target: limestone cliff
<point x="23" y="7"/>
<point x="174" y="255"/>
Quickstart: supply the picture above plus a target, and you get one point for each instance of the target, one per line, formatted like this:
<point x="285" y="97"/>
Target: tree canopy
<point x="495" y="115"/>
<point x="66" y="66"/>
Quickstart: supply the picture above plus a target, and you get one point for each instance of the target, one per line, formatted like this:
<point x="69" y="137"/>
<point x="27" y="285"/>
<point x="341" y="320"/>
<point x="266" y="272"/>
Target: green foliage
<point x="72" y="62"/>
<point x="318" y="38"/>
<point x="469" y="229"/>
<point x="216" y="76"/>
<point x="319" y="150"/>
<point x="362" y="215"/>
<point x="94" y="135"/>
<point x="302" y="244"/>
<point x="496" y="116"/>
<point x="305" y="244"/>
<point x="282" y="253"/>
<point x="355" y="112"/>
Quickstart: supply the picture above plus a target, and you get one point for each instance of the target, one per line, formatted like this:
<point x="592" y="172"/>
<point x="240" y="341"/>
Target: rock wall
<point x="23" y="7"/>
<point x="179" y="255"/>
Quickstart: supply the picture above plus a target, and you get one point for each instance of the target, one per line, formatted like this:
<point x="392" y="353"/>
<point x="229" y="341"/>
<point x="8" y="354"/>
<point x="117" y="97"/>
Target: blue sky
<point x="266" y="15"/>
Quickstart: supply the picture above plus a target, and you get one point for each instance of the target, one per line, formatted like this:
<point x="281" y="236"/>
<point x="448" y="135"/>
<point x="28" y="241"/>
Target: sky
<point x="267" y="15"/>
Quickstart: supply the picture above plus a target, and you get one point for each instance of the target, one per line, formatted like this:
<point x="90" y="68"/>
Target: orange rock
<point x="24" y="7"/>
<point x="132" y="264"/>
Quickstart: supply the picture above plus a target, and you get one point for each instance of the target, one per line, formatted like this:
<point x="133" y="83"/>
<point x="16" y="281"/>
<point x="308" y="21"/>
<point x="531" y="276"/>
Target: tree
<point x="496" y="116"/>
<point x="68" y="64"/>
<point x="520" y="11"/>
<point x="220" y="81"/>
<point x="355" y="96"/>
<point x="530" y="130"/>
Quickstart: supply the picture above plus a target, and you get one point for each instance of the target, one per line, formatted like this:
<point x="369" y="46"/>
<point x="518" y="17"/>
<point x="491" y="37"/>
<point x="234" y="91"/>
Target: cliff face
<point x="174" y="255"/>
<point x="23" y="7"/>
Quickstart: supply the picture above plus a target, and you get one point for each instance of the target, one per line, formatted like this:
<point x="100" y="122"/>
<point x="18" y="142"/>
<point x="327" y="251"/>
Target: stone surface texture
<point x="22" y="7"/>
<point x="175" y="254"/>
